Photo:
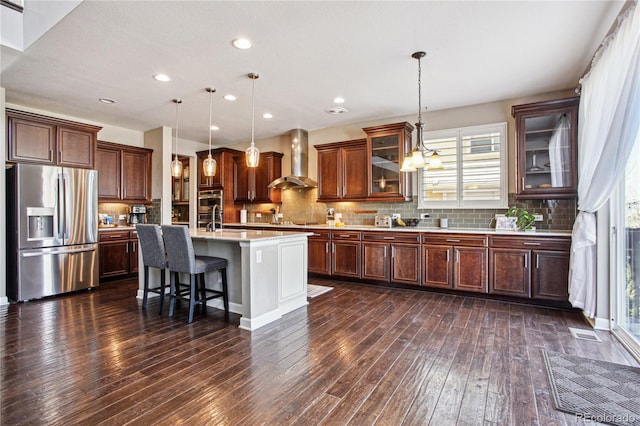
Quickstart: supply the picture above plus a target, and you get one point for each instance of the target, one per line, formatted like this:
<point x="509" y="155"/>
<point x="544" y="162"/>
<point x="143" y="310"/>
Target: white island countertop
<point x="244" y="235"/>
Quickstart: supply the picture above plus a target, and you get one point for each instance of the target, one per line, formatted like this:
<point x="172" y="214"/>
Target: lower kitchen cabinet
<point x="118" y="254"/>
<point x="319" y="253"/>
<point x="455" y="261"/>
<point x="531" y="267"/>
<point x="345" y="254"/>
<point x="391" y="257"/>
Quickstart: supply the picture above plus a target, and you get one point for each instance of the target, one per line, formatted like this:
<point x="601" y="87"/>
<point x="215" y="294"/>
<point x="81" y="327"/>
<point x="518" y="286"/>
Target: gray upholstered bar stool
<point x="182" y="259"/>
<point x="153" y="255"/>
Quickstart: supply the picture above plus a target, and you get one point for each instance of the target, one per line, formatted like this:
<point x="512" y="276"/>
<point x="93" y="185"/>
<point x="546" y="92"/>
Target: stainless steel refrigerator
<point x="52" y="230"/>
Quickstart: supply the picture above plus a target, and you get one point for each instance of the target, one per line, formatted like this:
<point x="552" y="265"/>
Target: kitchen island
<point x="266" y="274"/>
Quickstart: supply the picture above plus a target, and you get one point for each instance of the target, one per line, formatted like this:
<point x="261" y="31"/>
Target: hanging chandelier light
<point x="416" y="159"/>
<point x="209" y="165"/>
<point x="252" y="154"/>
<point x="176" y="165"/>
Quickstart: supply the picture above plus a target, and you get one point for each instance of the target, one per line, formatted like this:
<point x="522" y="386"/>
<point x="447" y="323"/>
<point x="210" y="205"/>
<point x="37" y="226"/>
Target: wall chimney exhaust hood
<point x="299" y="163"/>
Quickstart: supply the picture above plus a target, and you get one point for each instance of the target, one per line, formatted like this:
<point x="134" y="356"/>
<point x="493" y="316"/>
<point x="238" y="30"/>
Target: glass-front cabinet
<point x="546" y="144"/>
<point x="387" y="147"/>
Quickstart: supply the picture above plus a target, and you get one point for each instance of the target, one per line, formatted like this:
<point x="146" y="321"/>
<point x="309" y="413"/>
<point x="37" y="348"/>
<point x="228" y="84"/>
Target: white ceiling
<point x="306" y="54"/>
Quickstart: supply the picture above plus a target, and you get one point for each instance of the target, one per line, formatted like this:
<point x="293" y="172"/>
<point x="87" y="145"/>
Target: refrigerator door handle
<point x="63" y="251"/>
<point x="60" y="207"/>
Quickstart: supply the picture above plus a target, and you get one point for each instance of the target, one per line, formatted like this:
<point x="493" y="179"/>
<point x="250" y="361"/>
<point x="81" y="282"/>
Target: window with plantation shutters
<point x="474" y="168"/>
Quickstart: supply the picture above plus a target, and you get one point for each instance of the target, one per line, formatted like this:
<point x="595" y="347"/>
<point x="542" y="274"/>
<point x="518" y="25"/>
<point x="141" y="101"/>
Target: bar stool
<point x="153" y="255"/>
<point x="182" y="259"/>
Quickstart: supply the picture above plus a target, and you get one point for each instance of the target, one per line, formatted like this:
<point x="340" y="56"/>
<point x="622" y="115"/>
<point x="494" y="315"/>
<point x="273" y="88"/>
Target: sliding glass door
<point x="625" y="266"/>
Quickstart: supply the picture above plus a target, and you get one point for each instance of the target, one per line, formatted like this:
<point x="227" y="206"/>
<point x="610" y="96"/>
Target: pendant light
<point x="176" y="165"/>
<point x="252" y="154"/>
<point x="417" y="155"/>
<point x="209" y="165"/>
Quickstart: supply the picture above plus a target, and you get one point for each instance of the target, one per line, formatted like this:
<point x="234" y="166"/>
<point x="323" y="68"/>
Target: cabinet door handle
<point x="452" y="241"/>
<point x="526" y="262"/>
<point x="393" y="251"/>
<point x="457" y="256"/>
<point x="326" y="247"/>
<point x="537" y="261"/>
<point x="385" y="251"/>
<point x="531" y="244"/>
<point x="127" y="249"/>
<point x="523" y="183"/>
<point x="133" y="246"/>
<point x="333" y="247"/>
<point x="448" y="251"/>
<point x="344" y="190"/>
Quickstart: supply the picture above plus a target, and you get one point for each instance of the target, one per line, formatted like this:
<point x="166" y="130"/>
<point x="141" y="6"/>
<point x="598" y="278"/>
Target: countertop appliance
<point x="52" y="230"/>
<point x="137" y="214"/>
<point x="383" y="221"/>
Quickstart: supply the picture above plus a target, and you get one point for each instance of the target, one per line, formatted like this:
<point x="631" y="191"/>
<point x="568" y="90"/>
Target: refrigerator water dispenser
<point x="40" y="220"/>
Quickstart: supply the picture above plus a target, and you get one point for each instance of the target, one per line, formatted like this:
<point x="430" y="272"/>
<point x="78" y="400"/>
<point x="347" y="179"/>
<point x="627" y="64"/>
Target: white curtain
<point x="608" y="127"/>
<point x="559" y="152"/>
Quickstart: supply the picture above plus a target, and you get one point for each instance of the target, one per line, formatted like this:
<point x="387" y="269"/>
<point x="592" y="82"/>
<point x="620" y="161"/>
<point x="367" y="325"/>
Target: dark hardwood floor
<point x="360" y="354"/>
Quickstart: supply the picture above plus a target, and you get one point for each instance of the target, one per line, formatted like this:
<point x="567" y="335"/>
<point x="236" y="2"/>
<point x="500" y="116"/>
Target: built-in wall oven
<point x="208" y="200"/>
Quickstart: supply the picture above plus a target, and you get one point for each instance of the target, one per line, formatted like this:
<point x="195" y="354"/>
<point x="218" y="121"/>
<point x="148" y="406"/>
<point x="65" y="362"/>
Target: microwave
<point x="207" y="200"/>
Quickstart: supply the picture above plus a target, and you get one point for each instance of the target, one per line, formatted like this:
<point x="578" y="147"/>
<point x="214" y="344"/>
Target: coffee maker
<point x="137" y="214"/>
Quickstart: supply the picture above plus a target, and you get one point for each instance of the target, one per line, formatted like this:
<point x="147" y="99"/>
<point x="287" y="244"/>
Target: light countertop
<point x="486" y="231"/>
<point x="244" y="235"/>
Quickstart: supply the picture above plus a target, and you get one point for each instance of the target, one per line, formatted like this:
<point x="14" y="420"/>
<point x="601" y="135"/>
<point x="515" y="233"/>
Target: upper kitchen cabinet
<point x="251" y="184"/>
<point x="34" y="138"/>
<point x="224" y="176"/>
<point x="546" y="145"/>
<point x="124" y="173"/>
<point x="387" y="146"/>
<point x="342" y="171"/>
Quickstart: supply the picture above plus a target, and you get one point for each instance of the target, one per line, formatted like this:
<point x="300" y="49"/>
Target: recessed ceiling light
<point x="338" y="100"/>
<point x="215" y="128"/>
<point x="230" y="97"/>
<point x="107" y="101"/>
<point x="162" y="77"/>
<point x="242" y="43"/>
<point x="336" y="110"/>
<point x="267" y="115"/>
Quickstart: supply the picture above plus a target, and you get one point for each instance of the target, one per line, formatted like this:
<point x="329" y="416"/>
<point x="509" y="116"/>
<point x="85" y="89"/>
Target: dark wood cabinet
<point x="345" y="254"/>
<point x="509" y="272"/>
<point x="391" y="257"/>
<point x="533" y="267"/>
<point x="387" y="146"/>
<point x="251" y="184"/>
<point x="342" y="170"/>
<point x="456" y="261"/>
<point x="124" y="173"/>
<point x="319" y="253"/>
<point x="108" y="164"/>
<point x="546" y="149"/>
<point x="35" y="138"/>
<point x="118" y="254"/>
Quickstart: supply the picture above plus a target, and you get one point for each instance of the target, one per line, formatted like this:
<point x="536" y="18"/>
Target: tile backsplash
<point x="300" y="205"/>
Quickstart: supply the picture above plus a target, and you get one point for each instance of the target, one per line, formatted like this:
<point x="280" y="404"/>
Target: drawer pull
<point x="452" y="241"/>
<point x="531" y="244"/>
<point x="344" y="236"/>
<point x="115" y="236"/>
<point x="389" y="238"/>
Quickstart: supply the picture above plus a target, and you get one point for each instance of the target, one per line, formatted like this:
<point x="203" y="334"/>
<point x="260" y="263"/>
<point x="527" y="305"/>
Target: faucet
<point x="211" y="226"/>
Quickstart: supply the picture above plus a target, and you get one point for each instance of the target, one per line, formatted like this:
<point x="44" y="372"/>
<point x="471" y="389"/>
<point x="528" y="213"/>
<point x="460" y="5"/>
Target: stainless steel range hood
<point x="299" y="163"/>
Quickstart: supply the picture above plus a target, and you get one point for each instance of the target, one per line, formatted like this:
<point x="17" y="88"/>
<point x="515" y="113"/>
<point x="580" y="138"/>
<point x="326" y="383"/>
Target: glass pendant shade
<point x="407" y="165"/>
<point x="417" y="159"/>
<point x="435" y="163"/>
<point x="176" y="167"/>
<point x="252" y="155"/>
<point x="209" y="166"/>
